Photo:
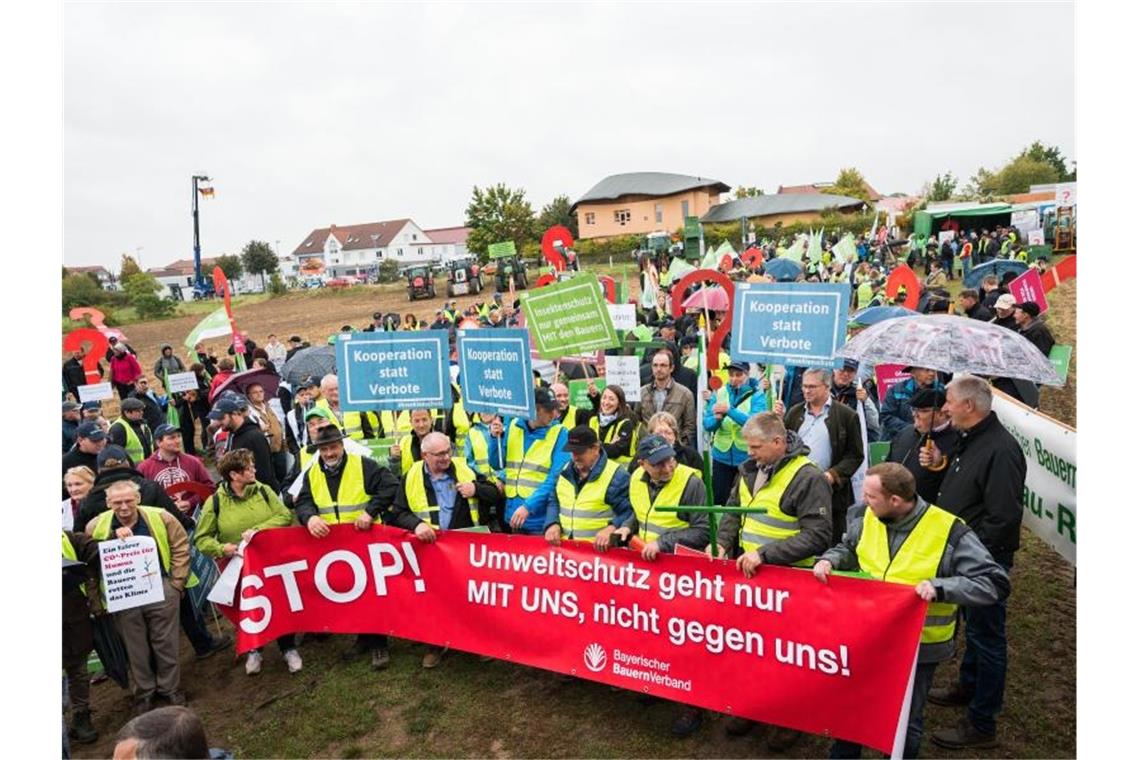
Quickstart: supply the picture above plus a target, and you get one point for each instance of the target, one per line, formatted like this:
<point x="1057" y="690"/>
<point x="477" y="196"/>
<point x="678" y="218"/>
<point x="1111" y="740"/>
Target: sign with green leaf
<point x="501" y="250"/>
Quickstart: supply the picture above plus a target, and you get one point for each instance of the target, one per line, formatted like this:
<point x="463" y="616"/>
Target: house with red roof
<point x="357" y="249"/>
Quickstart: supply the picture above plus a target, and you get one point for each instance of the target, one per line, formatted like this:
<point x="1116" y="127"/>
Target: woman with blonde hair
<point x="78" y="482"/>
<point x="665" y="425"/>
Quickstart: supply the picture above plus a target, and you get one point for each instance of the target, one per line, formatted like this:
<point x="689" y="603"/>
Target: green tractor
<point x="508" y="268"/>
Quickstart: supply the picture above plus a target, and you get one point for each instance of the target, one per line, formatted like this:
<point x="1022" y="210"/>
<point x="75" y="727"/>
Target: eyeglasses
<point x="807" y="387"/>
<point x="445" y="453"/>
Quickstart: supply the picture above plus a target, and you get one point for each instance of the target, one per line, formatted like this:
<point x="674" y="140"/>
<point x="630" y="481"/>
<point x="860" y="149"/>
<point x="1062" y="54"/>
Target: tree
<point x="388" y="271"/>
<point x="558" y="212"/>
<point x="1021" y="172"/>
<point x="81" y="290"/>
<point x="128" y="267"/>
<point x="942" y="188"/>
<point x="498" y="214"/>
<point x="231" y="266"/>
<point x="747" y="192"/>
<point x="850" y="182"/>
<point x="258" y="256"/>
<point x="277" y="285"/>
<point x="142" y="292"/>
<point x="1052" y="156"/>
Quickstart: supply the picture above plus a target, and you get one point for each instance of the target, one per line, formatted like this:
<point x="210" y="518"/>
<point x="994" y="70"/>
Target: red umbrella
<point x="239" y="381"/>
<point x="708" y="299"/>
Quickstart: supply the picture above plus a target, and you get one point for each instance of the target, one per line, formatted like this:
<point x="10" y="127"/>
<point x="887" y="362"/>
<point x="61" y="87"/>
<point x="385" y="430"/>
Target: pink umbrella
<point x="708" y="299"/>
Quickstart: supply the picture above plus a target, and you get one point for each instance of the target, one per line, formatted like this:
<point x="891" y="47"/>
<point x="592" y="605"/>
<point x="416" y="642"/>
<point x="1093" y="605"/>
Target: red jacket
<point x="184" y="467"/>
<point x="217" y="380"/>
<point x="124" y="368"/>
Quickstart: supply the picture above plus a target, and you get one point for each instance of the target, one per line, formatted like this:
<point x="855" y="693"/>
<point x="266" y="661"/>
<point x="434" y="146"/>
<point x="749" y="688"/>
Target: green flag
<point x="214" y="325"/>
<point x="171" y="410"/>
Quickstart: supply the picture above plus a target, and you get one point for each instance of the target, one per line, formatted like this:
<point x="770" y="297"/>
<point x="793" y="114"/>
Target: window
<point x="589" y="217"/>
<point x="684" y="210"/>
<point x="421" y="248"/>
<point x="622" y="216"/>
<point x="399" y="251"/>
<point x="414" y="238"/>
<point x="658" y="212"/>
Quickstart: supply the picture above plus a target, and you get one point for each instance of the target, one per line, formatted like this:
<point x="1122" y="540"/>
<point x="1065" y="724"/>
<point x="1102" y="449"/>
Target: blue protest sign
<point x="397" y="370"/>
<point x="495" y="373"/>
<point x="797" y="324"/>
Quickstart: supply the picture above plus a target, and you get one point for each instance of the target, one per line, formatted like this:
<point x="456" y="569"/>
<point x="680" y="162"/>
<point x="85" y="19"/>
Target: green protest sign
<point x="499" y="250"/>
<point x="878" y="453"/>
<point x="569" y="317"/>
<point x="580" y="394"/>
<point x="1061" y="356"/>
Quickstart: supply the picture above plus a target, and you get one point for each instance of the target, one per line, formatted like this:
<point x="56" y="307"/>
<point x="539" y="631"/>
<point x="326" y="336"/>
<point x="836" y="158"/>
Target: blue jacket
<point x="757" y="403"/>
<point x="895" y="415"/>
<point x="536" y="503"/>
<point x="617" y="495"/>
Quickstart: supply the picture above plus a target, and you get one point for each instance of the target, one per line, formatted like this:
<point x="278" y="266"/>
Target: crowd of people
<point x="788" y="439"/>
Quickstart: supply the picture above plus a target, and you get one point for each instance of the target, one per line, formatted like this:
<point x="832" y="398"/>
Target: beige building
<point x="644" y="202"/>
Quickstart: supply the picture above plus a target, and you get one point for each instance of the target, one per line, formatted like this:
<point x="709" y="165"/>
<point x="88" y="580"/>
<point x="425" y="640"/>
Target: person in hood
<point x="168" y="363"/>
<point x="244" y="433"/>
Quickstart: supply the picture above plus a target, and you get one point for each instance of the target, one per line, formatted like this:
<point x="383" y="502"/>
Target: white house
<point x="359" y="248"/>
<point x="105" y="278"/>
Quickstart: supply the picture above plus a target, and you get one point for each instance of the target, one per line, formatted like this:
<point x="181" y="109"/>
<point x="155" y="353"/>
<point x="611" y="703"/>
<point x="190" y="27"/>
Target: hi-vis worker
<point x="903" y="539"/>
<point x="131" y="432"/>
<point x="777" y="477"/>
<point x="535" y="459"/>
<point x="591" y="497"/>
<point x="346" y="488"/>
<point x="407" y="451"/>
<point x="731" y="407"/>
<point x="356" y="425"/>
<point x="659" y="481"/>
<point x="485" y="448"/>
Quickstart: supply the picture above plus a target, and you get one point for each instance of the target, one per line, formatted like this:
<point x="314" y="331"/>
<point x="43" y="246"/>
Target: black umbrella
<point x="109" y="646"/>
<point x="314" y="362"/>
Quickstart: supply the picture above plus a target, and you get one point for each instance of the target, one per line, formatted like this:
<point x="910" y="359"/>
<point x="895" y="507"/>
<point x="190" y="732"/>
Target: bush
<point x="81" y="290"/>
<point x="277" y="285"/>
<point x="151" y="306"/>
<point x="388" y="271"/>
<point x="620" y="246"/>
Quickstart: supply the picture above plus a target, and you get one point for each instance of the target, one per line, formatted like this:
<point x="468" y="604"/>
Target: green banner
<point x="1061" y="356"/>
<point x="878" y="453"/>
<point x="569" y="317"/>
<point x="499" y="250"/>
<point x="692" y="226"/>
<point x="580" y="394"/>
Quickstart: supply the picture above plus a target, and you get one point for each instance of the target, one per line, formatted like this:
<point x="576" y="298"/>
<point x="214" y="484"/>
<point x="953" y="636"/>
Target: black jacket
<point x="983" y="485"/>
<point x="980" y="312"/>
<point x="151" y="494"/>
<point x="74" y="375"/>
<point x="249" y="436"/>
<point x="145" y="433"/>
<point x="904" y="450"/>
<point x="152" y="414"/>
<point x="379" y="483"/>
<point x="1038" y="334"/>
<point x="486" y="494"/>
<point x="846" y="455"/>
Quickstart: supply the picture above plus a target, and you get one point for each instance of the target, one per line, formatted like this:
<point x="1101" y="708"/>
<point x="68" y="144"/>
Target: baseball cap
<point x="71" y="406"/>
<point x="132" y="405"/>
<point x="309" y="382"/>
<point x="928" y="398"/>
<point x="544" y="399"/>
<point x="655" y="449"/>
<point x="223" y="407"/>
<point x="850" y="364"/>
<point x="738" y="366"/>
<point x="580" y="439"/>
<point x="91" y="431"/>
<point x="1029" y="307"/>
<point x="89" y="405"/>
<point x="164" y="430"/>
<point x="112" y="456"/>
<point x="318" y="411"/>
<point x="1005" y="301"/>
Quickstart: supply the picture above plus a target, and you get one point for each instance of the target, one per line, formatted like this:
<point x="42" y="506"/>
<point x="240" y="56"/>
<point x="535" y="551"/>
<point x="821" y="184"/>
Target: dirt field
<point x="468" y="708"/>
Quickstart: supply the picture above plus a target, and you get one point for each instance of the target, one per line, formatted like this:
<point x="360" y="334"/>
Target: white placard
<point x="1066" y="194"/>
<point x="1027" y="219"/>
<point x="95" y="392"/>
<point x="623" y="315"/>
<point x="945" y="236"/>
<point x="626" y="372"/>
<point x="132" y="572"/>
<point x="183" y="381"/>
<point x="1037" y="237"/>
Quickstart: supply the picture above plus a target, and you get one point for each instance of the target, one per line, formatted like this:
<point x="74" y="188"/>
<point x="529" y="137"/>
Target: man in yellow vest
<point x="408" y="450"/>
<point x="535" y="459"/>
<point x="346" y="488"/>
<point x="131" y="432"/>
<point x="569" y="415"/>
<point x="441" y="493"/>
<point x="149" y="632"/>
<point x="356" y="425"/>
<point x="591" y="497"/>
<point x="777" y="477"/>
<point x="902" y="539"/>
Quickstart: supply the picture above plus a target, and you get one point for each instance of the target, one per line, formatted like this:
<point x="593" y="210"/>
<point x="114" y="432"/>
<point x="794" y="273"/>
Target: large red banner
<point x="781" y="647"/>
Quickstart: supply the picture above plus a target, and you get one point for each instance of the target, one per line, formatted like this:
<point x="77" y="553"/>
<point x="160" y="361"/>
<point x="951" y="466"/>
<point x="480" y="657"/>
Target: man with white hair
<point x="985" y="476"/>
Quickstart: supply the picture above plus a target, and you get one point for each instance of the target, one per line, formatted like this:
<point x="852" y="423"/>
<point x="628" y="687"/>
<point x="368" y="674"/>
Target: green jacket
<point x="225" y="516"/>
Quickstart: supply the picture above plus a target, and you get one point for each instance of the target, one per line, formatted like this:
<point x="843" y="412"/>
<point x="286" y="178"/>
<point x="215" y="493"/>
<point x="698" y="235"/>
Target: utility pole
<point x="200" y="285"/>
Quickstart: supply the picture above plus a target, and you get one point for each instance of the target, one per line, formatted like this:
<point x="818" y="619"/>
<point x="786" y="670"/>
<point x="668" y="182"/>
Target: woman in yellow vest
<point x="614" y="425"/>
<point x="903" y="539"/>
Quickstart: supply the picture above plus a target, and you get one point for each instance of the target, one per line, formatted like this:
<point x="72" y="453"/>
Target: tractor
<point x="421" y="283"/>
<point x="463" y="277"/>
<point x="510" y="267"/>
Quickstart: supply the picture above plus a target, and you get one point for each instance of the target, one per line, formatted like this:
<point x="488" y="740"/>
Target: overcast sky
<point x="307" y="115"/>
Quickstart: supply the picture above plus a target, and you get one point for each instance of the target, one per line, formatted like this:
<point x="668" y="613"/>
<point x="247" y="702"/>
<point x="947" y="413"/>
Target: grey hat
<point x="132" y="405"/>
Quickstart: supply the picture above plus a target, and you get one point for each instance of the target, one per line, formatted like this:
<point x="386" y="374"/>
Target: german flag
<point x="207" y="192"/>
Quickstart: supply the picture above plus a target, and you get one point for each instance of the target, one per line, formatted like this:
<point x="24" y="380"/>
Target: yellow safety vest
<point x="152" y="516"/>
<point x="407" y="458"/>
<point x="585" y="513"/>
<point x="728" y="436"/>
<point x="526" y="470"/>
<point x="612" y="435"/>
<point x="352" y="425"/>
<point x="351" y="498"/>
<point x="417" y="496"/>
<point x="134" y="446"/>
<point x="69" y="553"/>
<point x="477" y="436"/>
<point x="758" y="530"/>
<point x="917" y="560"/>
<point x="651" y="524"/>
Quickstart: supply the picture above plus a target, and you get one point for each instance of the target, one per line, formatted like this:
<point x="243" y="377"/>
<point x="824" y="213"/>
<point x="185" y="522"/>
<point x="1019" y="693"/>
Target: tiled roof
<point x="448" y="234"/>
<point x="352" y="237"/>
<point x="767" y="205"/>
<point x="648" y="183"/>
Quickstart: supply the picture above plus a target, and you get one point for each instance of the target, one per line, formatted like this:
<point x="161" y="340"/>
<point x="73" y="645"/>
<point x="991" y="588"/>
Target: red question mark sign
<point x="729" y="286"/>
<point x="753" y="257"/>
<point x="95" y="318"/>
<point x="74" y="341"/>
<point x="557" y="233"/>
<point x="609" y="287"/>
<point x="544" y="280"/>
<point x="903" y="275"/>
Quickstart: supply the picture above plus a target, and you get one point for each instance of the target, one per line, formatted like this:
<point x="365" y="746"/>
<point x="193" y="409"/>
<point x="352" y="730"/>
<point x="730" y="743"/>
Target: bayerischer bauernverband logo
<point x="595" y="657"/>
